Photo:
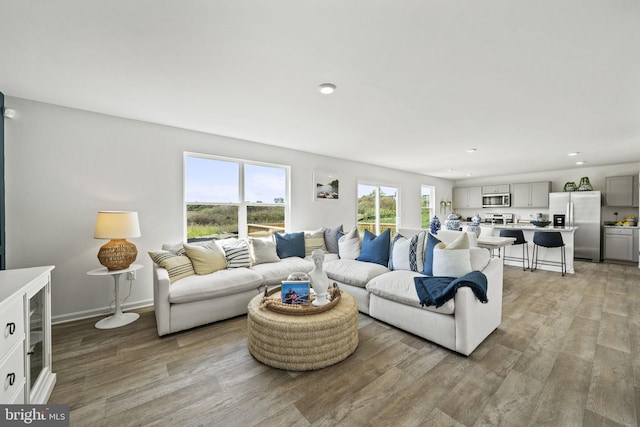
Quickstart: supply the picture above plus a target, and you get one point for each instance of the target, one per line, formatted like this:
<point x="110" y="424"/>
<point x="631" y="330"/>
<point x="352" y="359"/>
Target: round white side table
<point x="118" y="318"/>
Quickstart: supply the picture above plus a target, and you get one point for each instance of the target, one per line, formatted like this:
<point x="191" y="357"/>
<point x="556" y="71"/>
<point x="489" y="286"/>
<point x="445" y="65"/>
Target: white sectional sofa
<point x="461" y="324"/>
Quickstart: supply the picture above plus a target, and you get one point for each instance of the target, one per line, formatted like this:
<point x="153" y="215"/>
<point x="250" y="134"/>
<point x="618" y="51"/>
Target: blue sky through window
<point x="264" y="184"/>
<point x="217" y="181"/>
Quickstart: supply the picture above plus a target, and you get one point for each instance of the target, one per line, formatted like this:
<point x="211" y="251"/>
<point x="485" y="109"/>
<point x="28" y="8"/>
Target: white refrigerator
<point x="582" y="209"/>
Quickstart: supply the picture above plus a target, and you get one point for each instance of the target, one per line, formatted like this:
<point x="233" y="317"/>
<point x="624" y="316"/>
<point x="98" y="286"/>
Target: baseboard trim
<point x="103" y="311"/>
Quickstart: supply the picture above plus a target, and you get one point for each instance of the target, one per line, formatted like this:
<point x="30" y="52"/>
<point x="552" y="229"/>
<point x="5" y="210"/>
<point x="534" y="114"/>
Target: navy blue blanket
<point x="438" y="290"/>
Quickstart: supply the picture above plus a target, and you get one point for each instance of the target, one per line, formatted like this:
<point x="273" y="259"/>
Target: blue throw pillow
<point x="290" y="244"/>
<point x="432" y="241"/>
<point x="375" y="248"/>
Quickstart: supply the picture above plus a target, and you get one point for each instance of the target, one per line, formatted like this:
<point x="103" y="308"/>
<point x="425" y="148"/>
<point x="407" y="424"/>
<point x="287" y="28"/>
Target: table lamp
<point x="117" y="254"/>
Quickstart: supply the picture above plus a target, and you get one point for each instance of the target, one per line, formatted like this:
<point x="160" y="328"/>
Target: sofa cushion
<point x="453" y="259"/>
<point x="352" y="272"/>
<point x="290" y="244"/>
<point x="206" y="258"/>
<point x="275" y="272"/>
<point x="331" y="239"/>
<point x="262" y="251"/>
<point x="218" y="284"/>
<point x="375" y="248"/>
<point x="407" y="254"/>
<point x="314" y="240"/>
<point x="178" y="266"/>
<point x="399" y="286"/>
<point x="349" y="245"/>
<point x="328" y="257"/>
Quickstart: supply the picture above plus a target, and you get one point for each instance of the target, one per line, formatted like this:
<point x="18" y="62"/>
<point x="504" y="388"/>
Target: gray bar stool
<point x="548" y="239"/>
<point x="519" y="236"/>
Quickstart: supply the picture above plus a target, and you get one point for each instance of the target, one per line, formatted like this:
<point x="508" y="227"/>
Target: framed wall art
<point x="326" y="186"/>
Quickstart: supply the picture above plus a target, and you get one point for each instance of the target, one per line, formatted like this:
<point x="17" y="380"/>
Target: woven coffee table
<point x="303" y="343"/>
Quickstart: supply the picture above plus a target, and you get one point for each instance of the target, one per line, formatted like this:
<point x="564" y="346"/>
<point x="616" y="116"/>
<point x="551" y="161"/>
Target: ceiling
<point x="418" y="82"/>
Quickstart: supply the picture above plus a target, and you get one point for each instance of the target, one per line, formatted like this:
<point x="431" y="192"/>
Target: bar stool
<point x="519" y="236"/>
<point x="548" y="239"/>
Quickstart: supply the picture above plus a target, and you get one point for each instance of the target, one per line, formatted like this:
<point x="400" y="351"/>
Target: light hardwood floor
<point x="566" y="354"/>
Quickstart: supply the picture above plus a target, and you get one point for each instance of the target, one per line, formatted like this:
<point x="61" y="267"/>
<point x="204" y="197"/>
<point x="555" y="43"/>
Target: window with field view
<point x="233" y="198"/>
<point x="377" y="208"/>
<point x="427" y="195"/>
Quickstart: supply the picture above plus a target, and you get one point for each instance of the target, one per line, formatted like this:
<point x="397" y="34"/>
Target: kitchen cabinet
<point x="618" y="243"/>
<point x="530" y="194"/>
<point x="619" y="190"/>
<point x="495" y="189"/>
<point x="635" y="192"/>
<point x="467" y="197"/>
<point x="25" y="350"/>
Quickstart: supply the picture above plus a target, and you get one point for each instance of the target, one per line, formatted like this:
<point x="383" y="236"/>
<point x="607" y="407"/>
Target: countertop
<point x="621" y="226"/>
<point x="530" y="227"/>
<point x="533" y="227"/>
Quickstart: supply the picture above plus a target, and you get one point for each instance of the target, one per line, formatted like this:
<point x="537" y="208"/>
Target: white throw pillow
<point x="263" y="251"/>
<point x="448" y="236"/>
<point x="454" y="259"/>
<point x="349" y="245"/>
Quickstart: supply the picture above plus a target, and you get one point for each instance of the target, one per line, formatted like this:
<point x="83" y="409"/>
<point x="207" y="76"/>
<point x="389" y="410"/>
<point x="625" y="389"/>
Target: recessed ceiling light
<point x="471" y="150"/>
<point x="468" y="174"/>
<point x="575" y="153"/>
<point x="449" y="170"/>
<point x="327" y="88"/>
<point x="581" y="162"/>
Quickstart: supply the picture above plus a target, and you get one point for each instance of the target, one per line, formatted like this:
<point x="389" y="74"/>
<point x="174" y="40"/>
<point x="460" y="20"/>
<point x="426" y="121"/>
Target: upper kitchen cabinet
<point x="495" y="189"/>
<point x="467" y="197"/>
<point x="619" y="190"/>
<point x="530" y="194"/>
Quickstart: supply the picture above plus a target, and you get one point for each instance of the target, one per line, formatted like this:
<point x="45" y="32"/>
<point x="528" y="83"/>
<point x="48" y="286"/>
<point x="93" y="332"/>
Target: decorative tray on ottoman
<point x="274" y="303"/>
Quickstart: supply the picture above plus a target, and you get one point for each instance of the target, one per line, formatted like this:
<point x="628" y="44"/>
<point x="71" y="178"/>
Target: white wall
<point x="596" y="175"/>
<point x="63" y="165"/>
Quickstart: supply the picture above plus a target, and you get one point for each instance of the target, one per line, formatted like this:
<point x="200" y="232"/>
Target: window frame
<point x="242" y="204"/>
<point x="430" y="208"/>
<point x="377" y="186"/>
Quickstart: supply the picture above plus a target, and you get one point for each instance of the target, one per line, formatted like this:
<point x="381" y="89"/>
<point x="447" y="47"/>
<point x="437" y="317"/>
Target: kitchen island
<point x="551" y="254"/>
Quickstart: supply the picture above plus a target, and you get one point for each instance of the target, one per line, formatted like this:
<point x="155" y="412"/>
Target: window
<point x="377" y="208"/>
<point x="233" y="198"/>
<point x="428" y="196"/>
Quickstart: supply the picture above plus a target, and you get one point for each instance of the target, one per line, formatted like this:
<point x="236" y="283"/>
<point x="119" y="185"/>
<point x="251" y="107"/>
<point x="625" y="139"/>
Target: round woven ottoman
<point x="303" y="343"/>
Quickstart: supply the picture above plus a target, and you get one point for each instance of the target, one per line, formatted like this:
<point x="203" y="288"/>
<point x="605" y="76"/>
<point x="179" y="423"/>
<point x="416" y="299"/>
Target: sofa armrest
<point x="161" y="305"/>
<point x="475" y="320"/>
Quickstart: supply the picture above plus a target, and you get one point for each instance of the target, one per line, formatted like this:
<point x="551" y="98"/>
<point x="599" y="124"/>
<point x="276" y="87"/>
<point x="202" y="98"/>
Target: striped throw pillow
<point x="237" y="257"/>
<point x="177" y="266"/>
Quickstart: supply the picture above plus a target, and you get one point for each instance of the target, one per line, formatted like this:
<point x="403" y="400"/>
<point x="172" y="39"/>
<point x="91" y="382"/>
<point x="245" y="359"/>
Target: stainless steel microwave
<point x="496" y="200"/>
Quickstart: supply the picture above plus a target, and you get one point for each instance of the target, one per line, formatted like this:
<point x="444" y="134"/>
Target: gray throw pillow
<point x="331" y="239"/>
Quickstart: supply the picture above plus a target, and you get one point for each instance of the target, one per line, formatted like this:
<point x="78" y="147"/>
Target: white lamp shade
<point x="116" y="225"/>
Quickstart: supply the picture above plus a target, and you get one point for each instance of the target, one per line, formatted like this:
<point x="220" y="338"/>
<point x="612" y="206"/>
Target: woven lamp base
<point x="118" y="254"/>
